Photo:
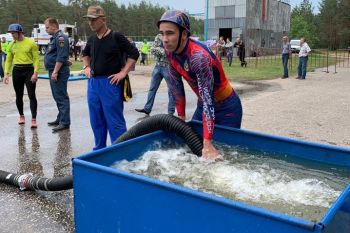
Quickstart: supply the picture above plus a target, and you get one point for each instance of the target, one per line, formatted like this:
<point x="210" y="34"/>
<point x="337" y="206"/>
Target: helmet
<point x="177" y="17"/>
<point x="15" y="27"/>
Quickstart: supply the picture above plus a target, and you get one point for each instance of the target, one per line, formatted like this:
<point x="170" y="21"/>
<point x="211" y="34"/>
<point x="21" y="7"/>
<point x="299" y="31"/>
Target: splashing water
<point x="260" y="180"/>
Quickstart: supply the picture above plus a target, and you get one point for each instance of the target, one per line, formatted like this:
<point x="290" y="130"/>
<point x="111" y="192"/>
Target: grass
<point x="270" y="67"/>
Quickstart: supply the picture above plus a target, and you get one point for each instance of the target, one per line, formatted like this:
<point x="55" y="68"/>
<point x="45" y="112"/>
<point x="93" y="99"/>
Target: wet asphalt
<point x="46" y="154"/>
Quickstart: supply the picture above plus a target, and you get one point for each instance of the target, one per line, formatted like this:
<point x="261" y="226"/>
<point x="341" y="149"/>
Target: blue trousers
<point x="106" y="110"/>
<point x="159" y="72"/>
<point x="60" y="95"/>
<point x="229" y="58"/>
<point x="285" y="58"/>
<point x="228" y="112"/>
<point x="302" y="67"/>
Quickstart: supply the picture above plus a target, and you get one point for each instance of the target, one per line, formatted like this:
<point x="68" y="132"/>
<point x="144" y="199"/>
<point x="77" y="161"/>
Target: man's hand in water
<point x="210" y="152"/>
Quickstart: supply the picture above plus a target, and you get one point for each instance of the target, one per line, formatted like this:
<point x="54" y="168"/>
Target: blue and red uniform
<point x="217" y="101"/>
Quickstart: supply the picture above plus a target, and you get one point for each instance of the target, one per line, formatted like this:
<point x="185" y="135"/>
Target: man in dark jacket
<point x="240" y="51"/>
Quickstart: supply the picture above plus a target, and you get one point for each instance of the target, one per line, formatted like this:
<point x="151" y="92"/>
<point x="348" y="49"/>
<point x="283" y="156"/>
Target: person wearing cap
<point x="286" y="53"/>
<point x="217" y="103"/>
<point x="105" y="67"/>
<point x="56" y="63"/>
<point x="23" y="54"/>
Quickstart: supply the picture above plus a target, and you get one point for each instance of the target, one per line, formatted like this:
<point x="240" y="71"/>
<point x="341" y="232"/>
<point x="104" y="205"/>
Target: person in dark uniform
<point x="106" y="69"/>
<point x="240" y="51"/>
<point x="56" y="62"/>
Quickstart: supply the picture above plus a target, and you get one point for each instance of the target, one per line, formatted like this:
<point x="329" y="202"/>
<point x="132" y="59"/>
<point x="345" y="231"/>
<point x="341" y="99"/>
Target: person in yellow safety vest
<point x="144" y="51"/>
<point x="1" y="69"/>
<point x="5" y="47"/>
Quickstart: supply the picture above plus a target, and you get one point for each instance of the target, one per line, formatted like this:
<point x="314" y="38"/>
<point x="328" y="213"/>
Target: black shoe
<point x="53" y="123"/>
<point x="59" y="128"/>
<point x="142" y="110"/>
<point x="284" y="77"/>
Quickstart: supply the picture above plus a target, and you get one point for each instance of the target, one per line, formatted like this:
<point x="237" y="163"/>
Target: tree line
<point x="329" y="28"/>
<point x="132" y="20"/>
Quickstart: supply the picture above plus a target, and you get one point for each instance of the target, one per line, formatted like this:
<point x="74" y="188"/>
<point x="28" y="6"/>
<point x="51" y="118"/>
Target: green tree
<point x="133" y="20"/>
<point x="303" y="23"/>
<point x="329" y="22"/>
<point x="344" y="16"/>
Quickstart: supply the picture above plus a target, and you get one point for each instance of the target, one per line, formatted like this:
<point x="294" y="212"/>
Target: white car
<point x="295" y="46"/>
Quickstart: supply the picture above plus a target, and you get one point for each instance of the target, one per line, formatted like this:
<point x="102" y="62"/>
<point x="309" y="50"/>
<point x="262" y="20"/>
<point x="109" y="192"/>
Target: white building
<point x="260" y="23"/>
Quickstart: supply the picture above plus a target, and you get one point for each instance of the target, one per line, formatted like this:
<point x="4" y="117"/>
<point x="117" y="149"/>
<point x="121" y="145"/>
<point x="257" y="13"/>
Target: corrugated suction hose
<point x="168" y="123"/>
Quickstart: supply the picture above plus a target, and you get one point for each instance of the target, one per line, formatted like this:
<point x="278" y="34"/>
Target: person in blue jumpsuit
<point x="56" y="62"/>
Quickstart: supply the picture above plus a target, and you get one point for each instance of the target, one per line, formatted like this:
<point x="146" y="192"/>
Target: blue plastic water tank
<point x="110" y="200"/>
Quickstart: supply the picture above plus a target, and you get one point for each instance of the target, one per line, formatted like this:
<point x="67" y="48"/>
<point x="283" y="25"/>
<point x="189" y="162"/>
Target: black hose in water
<point x="167" y="123"/>
<point x="164" y="122"/>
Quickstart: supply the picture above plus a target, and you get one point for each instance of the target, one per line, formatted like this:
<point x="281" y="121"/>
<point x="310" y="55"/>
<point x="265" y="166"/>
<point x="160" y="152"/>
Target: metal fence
<point x="329" y="59"/>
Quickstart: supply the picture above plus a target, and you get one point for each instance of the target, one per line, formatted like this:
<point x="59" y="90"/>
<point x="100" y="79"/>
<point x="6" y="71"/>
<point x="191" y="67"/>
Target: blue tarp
<point x="71" y="78"/>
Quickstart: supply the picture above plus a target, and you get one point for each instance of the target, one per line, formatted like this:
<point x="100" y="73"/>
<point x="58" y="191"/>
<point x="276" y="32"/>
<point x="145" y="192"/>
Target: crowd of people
<point x="108" y="56"/>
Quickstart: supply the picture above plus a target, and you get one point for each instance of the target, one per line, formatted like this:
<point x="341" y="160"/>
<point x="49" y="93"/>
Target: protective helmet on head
<point x="177" y="17"/>
<point x="15" y="27"/>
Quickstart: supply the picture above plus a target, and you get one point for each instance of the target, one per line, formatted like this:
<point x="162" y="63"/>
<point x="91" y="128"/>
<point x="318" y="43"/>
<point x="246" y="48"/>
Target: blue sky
<point x="193" y="6"/>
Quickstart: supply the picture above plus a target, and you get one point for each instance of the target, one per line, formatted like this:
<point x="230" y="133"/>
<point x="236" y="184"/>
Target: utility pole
<point x="206" y="20"/>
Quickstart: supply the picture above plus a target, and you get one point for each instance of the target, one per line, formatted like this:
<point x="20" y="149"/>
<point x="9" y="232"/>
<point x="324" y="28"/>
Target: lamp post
<point x="206" y="20"/>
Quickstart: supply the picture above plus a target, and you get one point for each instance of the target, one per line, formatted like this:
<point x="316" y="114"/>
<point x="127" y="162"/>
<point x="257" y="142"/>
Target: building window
<point x="224" y="12"/>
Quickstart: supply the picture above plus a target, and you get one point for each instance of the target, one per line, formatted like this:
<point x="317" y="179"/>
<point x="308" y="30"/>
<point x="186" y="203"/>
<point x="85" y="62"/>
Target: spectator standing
<point x="23" y="55"/>
<point x="303" y="58"/>
<point x="240" y="51"/>
<point x="160" y="71"/>
<point x="286" y="53"/>
<point x="4" y="45"/>
<point x="76" y="49"/>
<point x="105" y="68"/>
<point x="220" y="46"/>
<point x="56" y="63"/>
<point x="229" y="51"/>
<point x="144" y="52"/>
<point x="1" y="68"/>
